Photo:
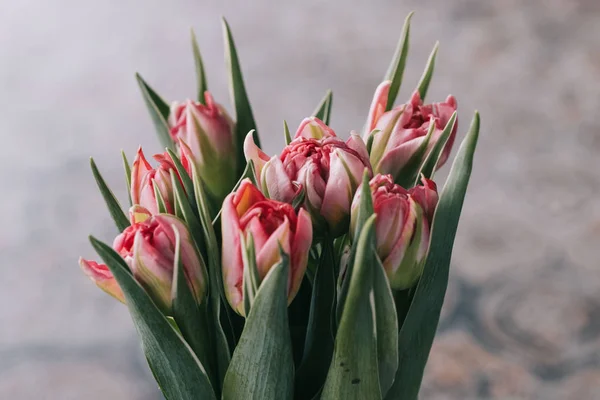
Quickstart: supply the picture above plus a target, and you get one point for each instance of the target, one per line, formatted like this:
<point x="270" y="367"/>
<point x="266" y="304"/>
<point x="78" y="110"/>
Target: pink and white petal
<point x="275" y="182"/>
<point x="102" y="277"/>
<point x="254" y="153"/>
<point x="395" y="159"/>
<point x="378" y="106"/>
<point x="314" y="128"/>
<point x="231" y="255"/>
<point x="140" y="168"/>
<point x="301" y="243"/>
<point x="268" y="255"/>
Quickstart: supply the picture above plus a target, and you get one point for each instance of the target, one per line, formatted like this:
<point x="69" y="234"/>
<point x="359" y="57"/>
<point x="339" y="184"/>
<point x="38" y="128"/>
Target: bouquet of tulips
<point x="318" y="273"/>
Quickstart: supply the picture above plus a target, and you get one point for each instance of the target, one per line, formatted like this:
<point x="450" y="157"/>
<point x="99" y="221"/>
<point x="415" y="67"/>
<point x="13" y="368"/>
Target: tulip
<point x="148" y="248"/>
<point x="205" y="134"/>
<point x="403" y="129"/>
<point x="402" y="227"/>
<point x="318" y="162"/>
<point x="273" y="226"/>
<point x="145" y="179"/>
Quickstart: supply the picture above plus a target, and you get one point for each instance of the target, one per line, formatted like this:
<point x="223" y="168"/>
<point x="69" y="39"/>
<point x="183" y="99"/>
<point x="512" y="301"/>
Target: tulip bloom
<point x="148" y="248"/>
<point x="205" y="134"/>
<point x="402" y="227"/>
<point x="272" y="225"/>
<point x="145" y="179"/>
<point x="318" y="162"/>
<point x="403" y="129"/>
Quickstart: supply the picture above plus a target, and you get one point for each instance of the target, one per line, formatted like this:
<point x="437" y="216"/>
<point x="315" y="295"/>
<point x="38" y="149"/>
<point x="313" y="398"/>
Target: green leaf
<point x="251" y="278"/>
<point x="178" y="372"/>
<point x="160" y="201"/>
<point x="216" y="292"/>
<point x="396" y="69"/>
<point x="429" y="166"/>
<point x="365" y="211"/>
<point x="114" y="208"/>
<point x="353" y="373"/>
<point x="159" y="111"/>
<point x="187" y="214"/>
<point x="323" y="110"/>
<point x="244" y="117"/>
<point x="262" y="366"/>
<point x="417" y="332"/>
<point x="190" y="317"/>
<point x="318" y="347"/>
<point x="428" y="73"/>
<point x="127" y="169"/>
<point x="387" y="328"/>
<point x="410" y="172"/>
<point x="286" y="132"/>
<point x="371" y="138"/>
<point x="188" y="185"/>
<point x="199" y="66"/>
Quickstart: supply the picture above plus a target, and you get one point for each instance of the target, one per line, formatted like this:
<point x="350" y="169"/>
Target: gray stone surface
<point x="522" y="317"/>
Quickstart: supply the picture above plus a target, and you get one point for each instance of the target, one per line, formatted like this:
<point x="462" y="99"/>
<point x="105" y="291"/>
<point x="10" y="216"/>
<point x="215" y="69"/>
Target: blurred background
<point x="522" y="317"/>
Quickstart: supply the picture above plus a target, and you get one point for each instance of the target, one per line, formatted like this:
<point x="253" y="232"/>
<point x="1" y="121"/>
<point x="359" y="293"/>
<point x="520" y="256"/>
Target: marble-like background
<point x="522" y="318"/>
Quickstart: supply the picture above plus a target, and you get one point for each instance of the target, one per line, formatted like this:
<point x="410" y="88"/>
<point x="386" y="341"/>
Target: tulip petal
<point x="378" y="106"/>
<point x="254" y="153"/>
<point x="138" y="214"/>
<point x="314" y="128"/>
<point x="395" y="159"/>
<point x="231" y="259"/>
<point x="275" y="182"/>
<point x="102" y="277"/>
<point x="141" y="167"/>
<point x="344" y="177"/>
<point x="301" y="242"/>
<point x="268" y="255"/>
<point x="246" y="195"/>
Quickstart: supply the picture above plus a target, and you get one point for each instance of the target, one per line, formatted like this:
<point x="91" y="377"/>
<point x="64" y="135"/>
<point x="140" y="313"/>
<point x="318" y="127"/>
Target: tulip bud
<point x="402" y="227"/>
<point x="321" y="164"/>
<point x="208" y="134"/>
<point x="102" y="277"/>
<point x="403" y="129"/>
<point x="145" y="180"/>
<point x="148" y="248"/>
<point x="272" y="225"/>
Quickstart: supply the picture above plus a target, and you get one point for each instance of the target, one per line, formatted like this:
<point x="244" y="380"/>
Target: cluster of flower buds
<point x="308" y="190"/>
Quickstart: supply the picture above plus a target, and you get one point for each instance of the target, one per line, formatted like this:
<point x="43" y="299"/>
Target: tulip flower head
<point x="328" y="169"/>
<point x="274" y="226"/>
<point x="148" y="182"/>
<point x="148" y="248"/>
<point x="402" y="226"/>
<point x="400" y="131"/>
<point x="205" y="134"/>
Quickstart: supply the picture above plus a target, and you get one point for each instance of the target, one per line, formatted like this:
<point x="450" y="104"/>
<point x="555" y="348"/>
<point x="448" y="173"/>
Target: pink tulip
<point x="208" y="134"/>
<point x="403" y="129"/>
<point x="322" y="165"/>
<point x="402" y="227"/>
<point x="144" y="179"/>
<point x="272" y="225"/>
<point x="148" y="248"/>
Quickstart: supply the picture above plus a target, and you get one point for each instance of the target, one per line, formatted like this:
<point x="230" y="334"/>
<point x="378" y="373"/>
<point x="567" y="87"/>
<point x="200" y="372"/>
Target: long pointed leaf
<point x="396" y="69"/>
<point x="190" y="318"/>
<point x="417" y="332"/>
<point x="387" y="328"/>
<point x="114" y="208"/>
<point x="188" y="185"/>
<point x="323" y="110"/>
<point x="428" y="73"/>
<point x="199" y="67"/>
<point x="177" y="370"/>
<point x="216" y="292"/>
<point x="318" y="347"/>
<point x="159" y="112"/>
<point x="243" y="111"/>
<point x="187" y="214"/>
<point x="127" y="169"/>
<point x="429" y="166"/>
<point x="262" y="366"/>
<point x="353" y="373"/>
